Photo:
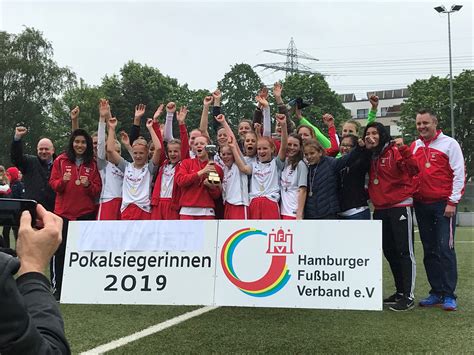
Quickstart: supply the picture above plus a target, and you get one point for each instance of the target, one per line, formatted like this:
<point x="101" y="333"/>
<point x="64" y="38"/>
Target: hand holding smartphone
<point x="11" y="210"/>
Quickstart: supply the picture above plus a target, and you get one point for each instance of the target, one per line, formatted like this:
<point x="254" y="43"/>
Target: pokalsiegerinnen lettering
<point x="141" y="262"/>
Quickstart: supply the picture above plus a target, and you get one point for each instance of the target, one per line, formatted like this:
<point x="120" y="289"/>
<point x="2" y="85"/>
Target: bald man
<point x="36" y="169"/>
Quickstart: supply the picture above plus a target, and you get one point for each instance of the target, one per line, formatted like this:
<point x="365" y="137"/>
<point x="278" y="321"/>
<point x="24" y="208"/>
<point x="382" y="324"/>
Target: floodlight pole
<point x="451" y="100"/>
<point x="443" y="10"/>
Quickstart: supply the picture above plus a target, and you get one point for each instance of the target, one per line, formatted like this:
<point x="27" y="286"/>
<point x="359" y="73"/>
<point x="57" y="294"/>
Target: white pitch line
<point x="148" y="331"/>
<point x="455" y="242"/>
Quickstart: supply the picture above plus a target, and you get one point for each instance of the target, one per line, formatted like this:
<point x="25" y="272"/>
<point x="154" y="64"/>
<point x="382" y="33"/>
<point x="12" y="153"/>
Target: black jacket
<point x="36" y="174"/>
<point x="30" y="320"/>
<point x="352" y="192"/>
<point x="322" y="191"/>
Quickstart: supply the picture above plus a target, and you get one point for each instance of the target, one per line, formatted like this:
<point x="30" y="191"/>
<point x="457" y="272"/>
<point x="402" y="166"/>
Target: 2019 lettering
<point x="129" y="283"/>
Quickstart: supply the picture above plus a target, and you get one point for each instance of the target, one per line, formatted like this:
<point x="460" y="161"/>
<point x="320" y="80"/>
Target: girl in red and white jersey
<point x="235" y="183"/>
<point x="294" y="179"/>
<point x="112" y="178"/>
<point x="265" y="180"/>
<point x="166" y="193"/>
<point x="198" y="193"/>
<point x="137" y="175"/>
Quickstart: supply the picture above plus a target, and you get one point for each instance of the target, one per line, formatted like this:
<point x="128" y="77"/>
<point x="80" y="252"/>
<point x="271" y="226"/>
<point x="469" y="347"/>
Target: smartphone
<point x="11" y="209"/>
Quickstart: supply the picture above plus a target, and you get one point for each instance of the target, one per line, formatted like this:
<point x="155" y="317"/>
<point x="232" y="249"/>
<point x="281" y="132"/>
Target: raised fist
<point x="171" y="107"/>
<point x="220" y="118"/>
<point x="217" y="94"/>
<point x="112" y="122"/>
<point x="262" y="101"/>
<point x="374" y="101"/>
<point x="277" y="89"/>
<point x="208" y="100"/>
<point x="20" y="131"/>
<point x="75" y="113"/>
<point x="280" y="117"/>
<point x="328" y="120"/>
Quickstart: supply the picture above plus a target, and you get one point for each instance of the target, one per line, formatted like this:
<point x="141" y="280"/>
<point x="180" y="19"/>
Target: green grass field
<point x="265" y="330"/>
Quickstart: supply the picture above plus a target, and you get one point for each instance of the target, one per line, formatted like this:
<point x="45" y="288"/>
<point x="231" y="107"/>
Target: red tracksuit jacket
<point x="444" y="177"/>
<point x="193" y="191"/>
<point x="394" y="171"/>
<point x="73" y="201"/>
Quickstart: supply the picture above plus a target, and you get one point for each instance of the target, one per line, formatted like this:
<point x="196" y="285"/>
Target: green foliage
<point x="314" y="90"/>
<point x="433" y="94"/>
<point x="30" y="83"/>
<point x="239" y="87"/>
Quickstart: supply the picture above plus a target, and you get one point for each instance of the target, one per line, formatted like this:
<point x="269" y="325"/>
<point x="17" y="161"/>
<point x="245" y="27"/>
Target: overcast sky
<point x="361" y="46"/>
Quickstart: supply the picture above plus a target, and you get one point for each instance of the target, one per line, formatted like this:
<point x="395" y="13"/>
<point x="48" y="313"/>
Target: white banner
<point x="168" y="273"/>
<point x="305" y="264"/>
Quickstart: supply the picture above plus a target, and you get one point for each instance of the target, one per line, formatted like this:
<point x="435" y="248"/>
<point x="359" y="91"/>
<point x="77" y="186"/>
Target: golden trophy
<point x="213" y="177"/>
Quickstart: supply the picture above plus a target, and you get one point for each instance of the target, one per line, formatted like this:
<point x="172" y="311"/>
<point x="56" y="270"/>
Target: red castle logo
<point x="280" y="243"/>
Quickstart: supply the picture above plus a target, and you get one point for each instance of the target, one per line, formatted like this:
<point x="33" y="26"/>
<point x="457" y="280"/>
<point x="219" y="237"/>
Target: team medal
<point x="78" y="182"/>
<point x="261" y="188"/>
<point x="133" y="190"/>
<point x="427" y="164"/>
<point x="376" y="181"/>
<point x="310" y="193"/>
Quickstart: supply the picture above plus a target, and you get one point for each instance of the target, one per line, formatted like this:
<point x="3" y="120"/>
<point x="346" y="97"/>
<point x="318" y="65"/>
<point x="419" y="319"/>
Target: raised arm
<point x="265" y="107"/>
<point x="284" y="136"/>
<point x="328" y="120"/>
<point x="374" y="101"/>
<point x="246" y="169"/>
<point x="135" y="129"/>
<point x="75" y="118"/>
<point x="154" y="137"/>
<point x="168" y="130"/>
<point x="16" y="153"/>
<point x="277" y="91"/>
<point x="125" y="140"/>
<point x="104" y="115"/>
<point x="114" y="157"/>
<point x="205" y="115"/>
<point x="216" y="107"/>
<point x="183" y="132"/>
<point x="325" y="142"/>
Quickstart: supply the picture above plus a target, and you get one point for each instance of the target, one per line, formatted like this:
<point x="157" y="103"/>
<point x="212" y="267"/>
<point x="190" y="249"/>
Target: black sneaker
<point x="393" y="298"/>
<point x="404" y="304"/>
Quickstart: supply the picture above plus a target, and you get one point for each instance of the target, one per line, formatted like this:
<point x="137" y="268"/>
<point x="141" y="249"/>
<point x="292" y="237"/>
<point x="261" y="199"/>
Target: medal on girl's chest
<point x="78" y="182"/>
<point x="427" y="164"/>
<point x="376" y="181"/>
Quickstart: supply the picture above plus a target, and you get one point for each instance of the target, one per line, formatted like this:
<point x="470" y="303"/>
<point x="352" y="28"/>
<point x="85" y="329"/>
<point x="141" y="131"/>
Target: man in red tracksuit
<point x="441" y="180"/>
<point x="391" y="190"/>
<point x="197" y="192"/>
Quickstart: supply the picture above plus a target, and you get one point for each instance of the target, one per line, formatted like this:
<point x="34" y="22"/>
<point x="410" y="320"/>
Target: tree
<point x="239" y="87"/>
<point x="314" y="90"/>
<point x="30" y="83"/>
<point x="433" y="94"/>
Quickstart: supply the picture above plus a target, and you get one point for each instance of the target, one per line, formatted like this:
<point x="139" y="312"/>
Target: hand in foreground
<point x="36" y="247"/>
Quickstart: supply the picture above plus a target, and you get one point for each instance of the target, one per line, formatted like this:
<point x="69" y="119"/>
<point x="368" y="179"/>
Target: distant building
<point x="388" y="112"/>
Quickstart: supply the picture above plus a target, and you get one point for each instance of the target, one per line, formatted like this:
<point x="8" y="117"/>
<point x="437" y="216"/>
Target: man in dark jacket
<point x="30" y="320"/>
<point x="36" y="169"/>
